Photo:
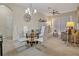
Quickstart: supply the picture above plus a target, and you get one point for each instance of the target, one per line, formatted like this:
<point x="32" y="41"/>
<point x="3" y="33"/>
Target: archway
<point x="6" y="23"/>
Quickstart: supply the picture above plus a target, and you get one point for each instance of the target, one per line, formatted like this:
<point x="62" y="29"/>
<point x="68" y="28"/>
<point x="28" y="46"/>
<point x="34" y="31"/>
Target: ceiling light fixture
<point x="30" y="10"/>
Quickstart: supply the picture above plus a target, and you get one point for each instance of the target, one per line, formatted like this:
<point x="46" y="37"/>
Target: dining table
<point x="34" y="41"/>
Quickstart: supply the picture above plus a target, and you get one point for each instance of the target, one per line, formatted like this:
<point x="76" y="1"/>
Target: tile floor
<point x="50" y="47"/>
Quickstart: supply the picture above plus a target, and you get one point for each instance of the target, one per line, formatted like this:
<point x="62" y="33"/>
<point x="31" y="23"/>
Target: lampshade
<point x="70" y="24"/>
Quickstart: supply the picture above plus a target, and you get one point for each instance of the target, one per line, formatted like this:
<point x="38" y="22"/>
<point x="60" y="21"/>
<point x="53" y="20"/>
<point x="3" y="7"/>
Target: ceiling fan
<point x="53" y="11"/>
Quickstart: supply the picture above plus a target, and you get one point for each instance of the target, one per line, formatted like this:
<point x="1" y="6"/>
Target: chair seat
<point x="40" y="39"/>
<point x="22" y="39"/>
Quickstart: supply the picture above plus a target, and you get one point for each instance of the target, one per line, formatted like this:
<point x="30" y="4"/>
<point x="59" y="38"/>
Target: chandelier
<point x="30" y="10"/>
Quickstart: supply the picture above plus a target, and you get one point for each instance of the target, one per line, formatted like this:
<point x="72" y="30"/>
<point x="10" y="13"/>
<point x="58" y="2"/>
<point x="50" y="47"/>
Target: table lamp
<point x="70" y="24"/>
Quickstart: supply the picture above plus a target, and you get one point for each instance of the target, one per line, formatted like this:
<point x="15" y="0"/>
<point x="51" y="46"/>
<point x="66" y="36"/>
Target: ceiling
<point x="43" y="7"/>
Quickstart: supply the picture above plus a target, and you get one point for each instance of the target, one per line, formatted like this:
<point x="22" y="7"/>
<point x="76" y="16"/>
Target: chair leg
<point x="77" y="43"/>
<point x="31" y="44"/>
<point x="36" y="42"/>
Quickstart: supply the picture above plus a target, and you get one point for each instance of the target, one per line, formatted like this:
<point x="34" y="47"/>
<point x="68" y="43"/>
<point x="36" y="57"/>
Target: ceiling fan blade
<point x="53" y="12"/>
<point x="57" y="12"/>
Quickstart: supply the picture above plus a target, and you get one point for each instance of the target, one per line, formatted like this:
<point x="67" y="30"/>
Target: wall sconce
<point x="49" y="23"/>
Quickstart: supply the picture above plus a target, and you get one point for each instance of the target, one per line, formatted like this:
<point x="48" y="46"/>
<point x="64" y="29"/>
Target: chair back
<point x="42" y="31"/>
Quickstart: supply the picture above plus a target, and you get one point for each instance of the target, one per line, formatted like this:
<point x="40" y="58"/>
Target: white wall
<point x="60" y="21"/>
<point x="5" y="21"/>
<point x="19" y="22"/>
